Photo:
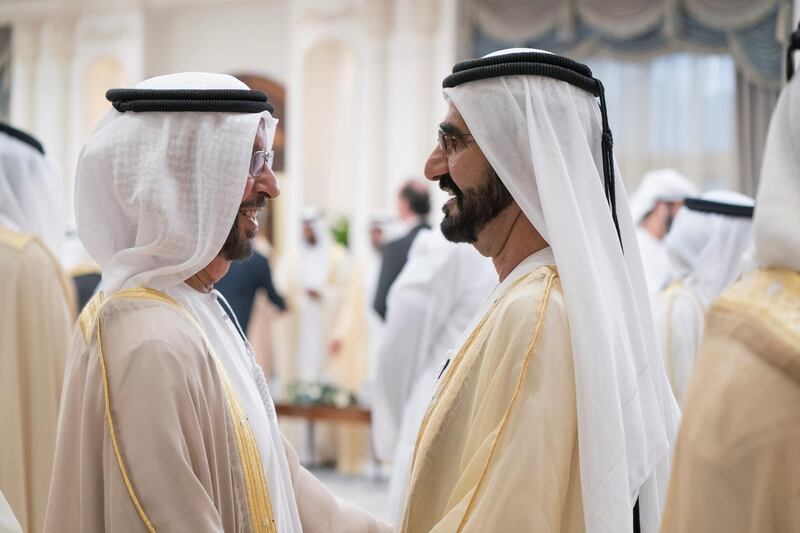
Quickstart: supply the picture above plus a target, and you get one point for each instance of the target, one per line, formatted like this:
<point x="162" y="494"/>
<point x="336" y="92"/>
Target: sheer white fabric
<point x="542" y="136"/>
<point x="31" y="193"/>
<point x="706" y="249"/>
<point x="153" y="203"/>
<point x="665" y="185"/>
<point x="777" y="218"/>
<point x="8" y="522"/>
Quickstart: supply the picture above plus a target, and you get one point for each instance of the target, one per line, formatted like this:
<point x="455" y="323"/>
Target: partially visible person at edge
<point x="706" y="248"/>
<point x="736" y="466"/>
<point x="36" y="318"/>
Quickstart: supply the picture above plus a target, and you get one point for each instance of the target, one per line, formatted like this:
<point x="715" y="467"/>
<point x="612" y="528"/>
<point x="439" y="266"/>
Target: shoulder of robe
<point x="770" y="298"/>
<point x="31" y="253"/>
<point x="522" y="302"/>
<point x="131" y="319"/>
<point x="13" y="239"/>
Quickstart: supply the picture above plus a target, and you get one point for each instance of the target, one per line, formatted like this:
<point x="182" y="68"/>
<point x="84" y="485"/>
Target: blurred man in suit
<point x="413" y="206"/>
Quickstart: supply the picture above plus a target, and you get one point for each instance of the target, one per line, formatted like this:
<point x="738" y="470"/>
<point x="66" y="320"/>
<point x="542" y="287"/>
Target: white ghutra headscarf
<point x="706" y="249"/>
<point x="543" y="138"/>
<point x="31" y="193"/>
<point x="157" y="193"/>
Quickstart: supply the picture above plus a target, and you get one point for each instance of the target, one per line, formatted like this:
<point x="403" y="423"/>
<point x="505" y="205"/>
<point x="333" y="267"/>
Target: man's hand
<point x="334" y="347"/>
<point x="314" y="294"/>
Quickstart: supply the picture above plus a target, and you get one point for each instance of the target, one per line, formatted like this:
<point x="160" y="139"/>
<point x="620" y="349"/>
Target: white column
<point x="422" y="50"/>
<point x="99" y="35"/>
<point x="51" y="94"/>
<point x="408" y="85"/>
<point x="796" y="12"/>
<point x="24" y="47"/>
<point x="369" y="144"/>
<point x="52" y="90"/>
<point x="294" y="128"/>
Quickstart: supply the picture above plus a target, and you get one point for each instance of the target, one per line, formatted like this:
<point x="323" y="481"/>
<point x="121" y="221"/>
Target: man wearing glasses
<point x="554" y="413"/>
<point x="166" y="421"/>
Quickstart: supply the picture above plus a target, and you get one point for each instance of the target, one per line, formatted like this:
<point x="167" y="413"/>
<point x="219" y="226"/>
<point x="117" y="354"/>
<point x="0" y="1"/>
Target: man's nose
<point x="267" y="183"/>
<point x="436" y="165"/>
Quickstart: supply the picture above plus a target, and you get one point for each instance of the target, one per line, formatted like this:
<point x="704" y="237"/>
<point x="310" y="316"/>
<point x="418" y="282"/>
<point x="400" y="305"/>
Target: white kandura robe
<point x="680" y="317"/>
<point x="304" y="331"/>
<point x="429" y="308"/>
<point x="654" y="259"/>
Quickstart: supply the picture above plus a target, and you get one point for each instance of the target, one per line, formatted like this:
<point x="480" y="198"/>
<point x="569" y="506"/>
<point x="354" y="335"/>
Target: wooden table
<point x="323" y="413"/>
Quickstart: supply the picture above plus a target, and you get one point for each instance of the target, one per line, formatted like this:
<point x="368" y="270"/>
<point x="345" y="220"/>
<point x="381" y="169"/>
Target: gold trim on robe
<point x="451" y="381"/>
<point x="18" y="241"/>
<point x="13" y="239"/>
<point x="257" y="492"/>
<point x="771" y="299"/>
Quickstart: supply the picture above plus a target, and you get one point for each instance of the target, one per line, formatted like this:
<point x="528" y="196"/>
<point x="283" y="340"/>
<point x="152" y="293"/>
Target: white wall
<point x="237" y="37"/>
<point x="398" y="50"/>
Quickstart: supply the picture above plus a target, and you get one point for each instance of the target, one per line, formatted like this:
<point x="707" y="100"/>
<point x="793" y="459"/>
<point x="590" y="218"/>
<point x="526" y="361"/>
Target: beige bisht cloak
<point x="35" y="323"/>
<point x="498" y="448"/>
<point x="145" y="391"/>
<point x="348" y="369"/>
<point x="737" y="462"/>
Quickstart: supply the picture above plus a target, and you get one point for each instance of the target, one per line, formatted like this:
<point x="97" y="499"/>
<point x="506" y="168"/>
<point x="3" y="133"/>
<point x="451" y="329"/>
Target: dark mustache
<point x="446" y="183"/>
<point x="256" y="203"/>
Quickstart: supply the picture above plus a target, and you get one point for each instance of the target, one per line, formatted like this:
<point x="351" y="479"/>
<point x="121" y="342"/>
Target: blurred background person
<point x="706" y="248"/>
<point x="355" y="339"/>
<point x="243" y="281"/>
<point x="312" y="277"/>
<point x="654" y="205"/>
<point x="413" y="206"/>
<point x="36" y="318"/>
<point x="430" y="307"/>
<point x="736" y="466"/>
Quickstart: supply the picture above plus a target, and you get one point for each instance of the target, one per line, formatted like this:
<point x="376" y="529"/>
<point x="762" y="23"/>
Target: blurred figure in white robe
<point x="353" y="347"/>
<point x="706" y="245"/>
<point x="429" y="308"/>
<point x="312" y="277"/>
<point x="313" y="280"/>
<point x="654" y="205"/>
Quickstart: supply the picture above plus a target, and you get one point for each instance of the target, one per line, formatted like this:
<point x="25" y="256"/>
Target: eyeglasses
<point x="261" y="159"/>
<point x="449" y="142"/>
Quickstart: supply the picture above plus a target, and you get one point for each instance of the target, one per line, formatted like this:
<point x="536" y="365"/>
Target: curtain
<point x="738" y="100"/>
<point x="754" y="105"/>
<point x="678" y="111"/>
